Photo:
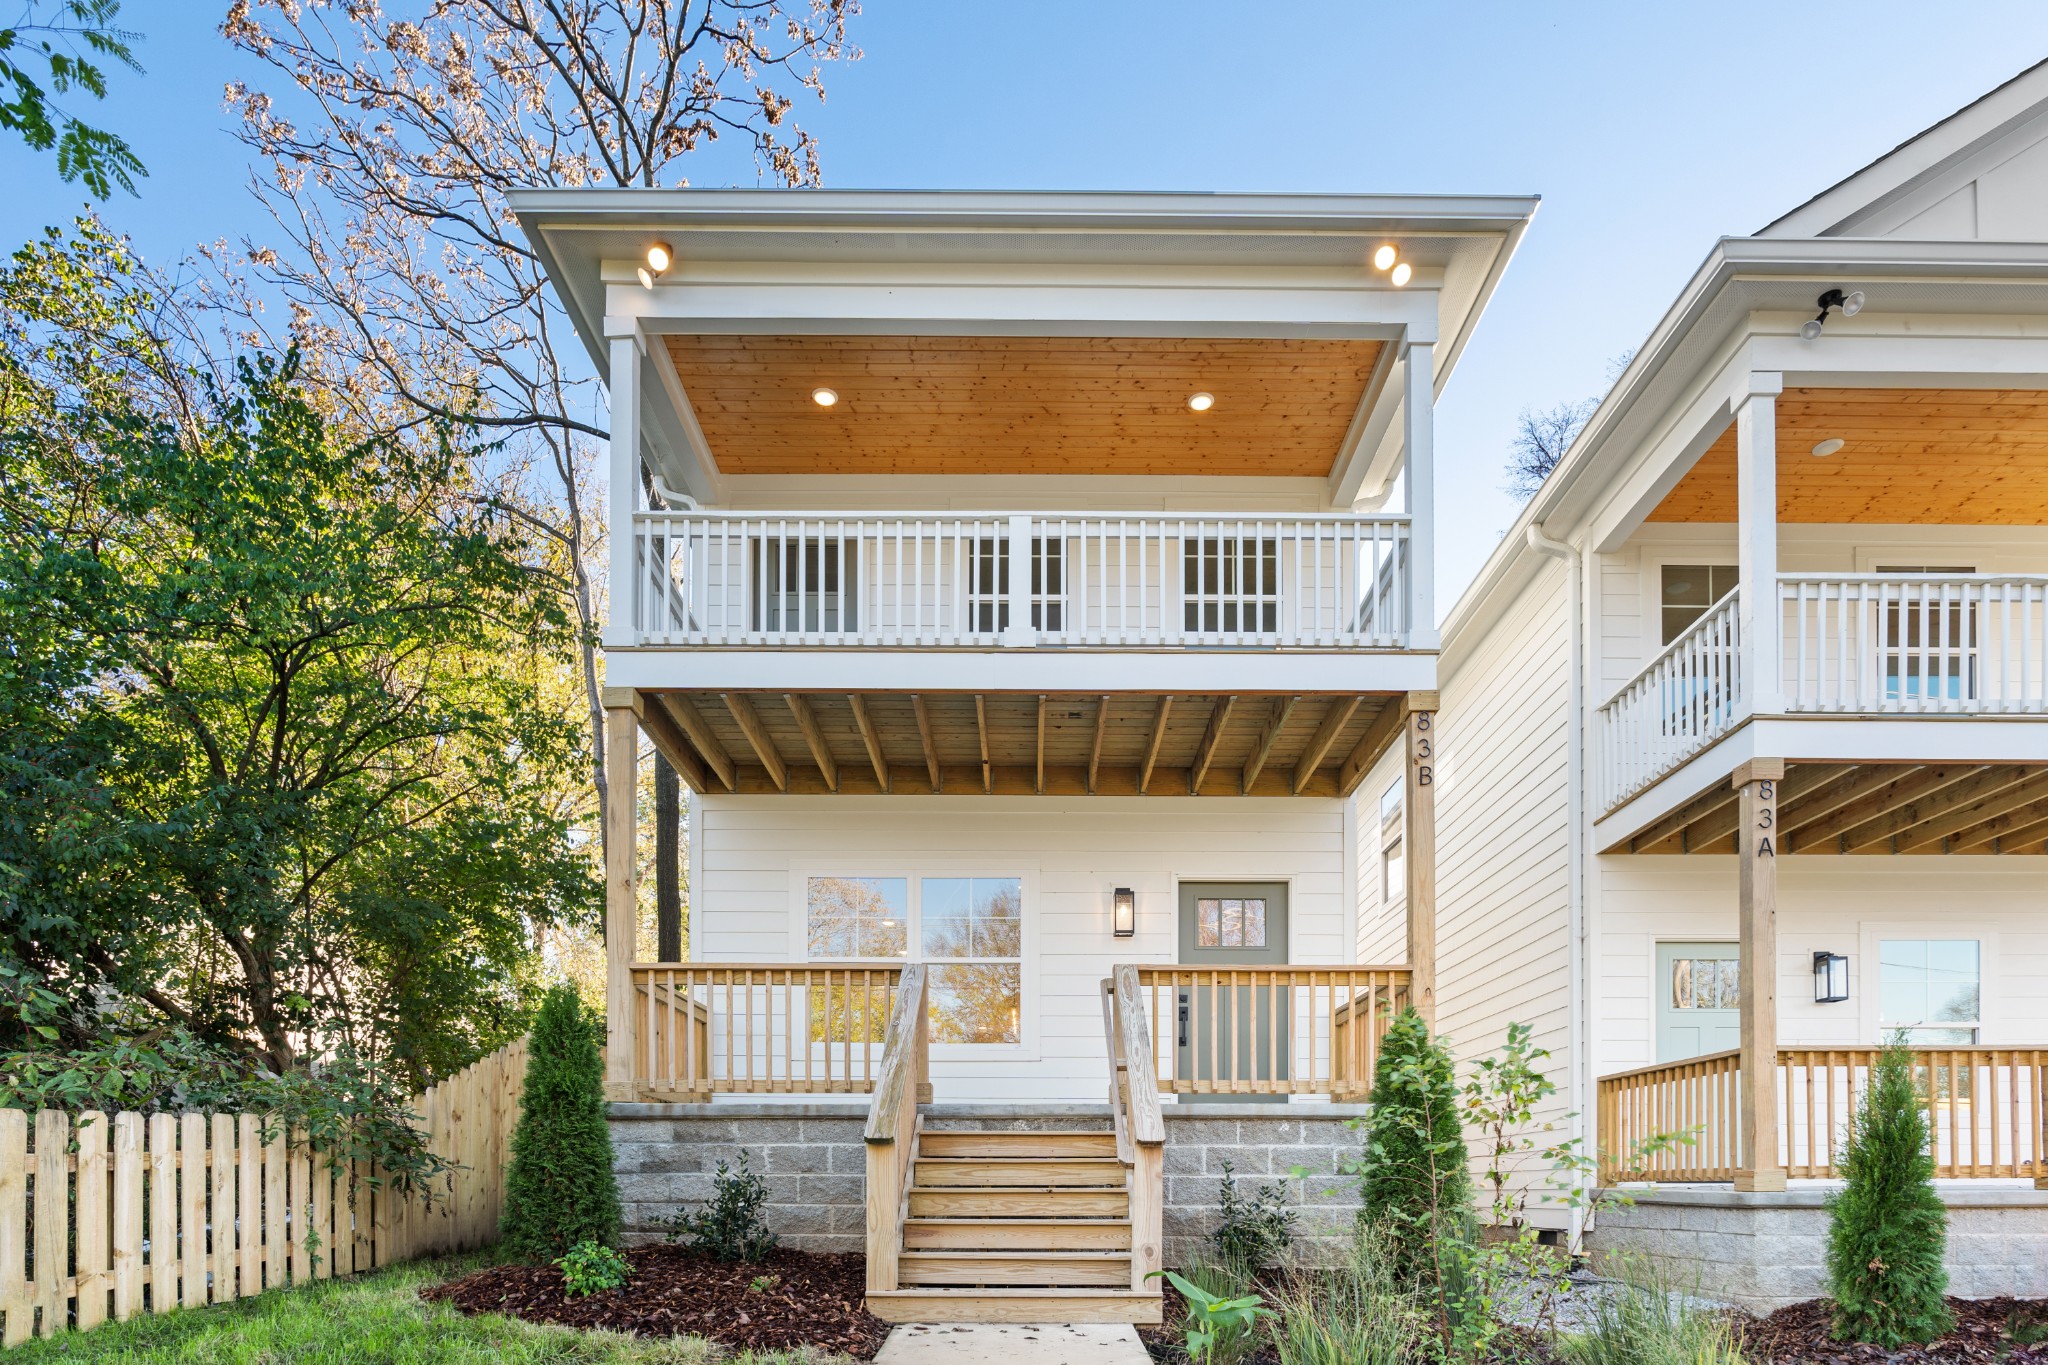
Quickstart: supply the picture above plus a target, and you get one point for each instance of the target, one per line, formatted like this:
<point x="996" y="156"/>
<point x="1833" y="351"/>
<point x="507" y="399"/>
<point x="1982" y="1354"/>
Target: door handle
<point x="1183" y="1011"/>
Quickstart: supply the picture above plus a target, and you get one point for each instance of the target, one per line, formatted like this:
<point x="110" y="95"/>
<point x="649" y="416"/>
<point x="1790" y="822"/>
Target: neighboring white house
<point x="1027" y="583"/>
<point x="1744" y="751"/>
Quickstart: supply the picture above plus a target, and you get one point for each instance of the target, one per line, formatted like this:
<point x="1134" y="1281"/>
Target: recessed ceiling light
<point x="1384" y="258"/>
<point x="1201" y="402"/>
<point x="1403" y="273"/>
<point x="658" y="257"/>
<point x="1829" y="446"/>
<point x="824" y="398"/>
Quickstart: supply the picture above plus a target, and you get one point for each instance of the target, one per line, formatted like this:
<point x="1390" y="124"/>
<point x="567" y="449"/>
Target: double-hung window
<point x="1932" y="989"/>
<point x="1930" y="638"/>
<point x="969" y="929"/>
<point x="1230" y="585"/>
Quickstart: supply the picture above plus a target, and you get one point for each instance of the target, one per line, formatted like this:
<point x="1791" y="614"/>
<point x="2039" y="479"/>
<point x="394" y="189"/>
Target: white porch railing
<point x="1688" y="697"/>
<point x="974" y="580"/>
<point x="1970" y="644"/>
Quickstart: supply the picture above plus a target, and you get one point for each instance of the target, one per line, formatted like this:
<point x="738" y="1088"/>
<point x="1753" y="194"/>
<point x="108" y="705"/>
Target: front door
<point x="1233" y="1033"/>
<point x="1697" y="1001"/>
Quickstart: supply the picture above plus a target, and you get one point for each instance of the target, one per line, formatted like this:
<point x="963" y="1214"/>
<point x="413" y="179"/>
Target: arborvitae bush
<point x="1888" y="1227"/>
<point x="560" y="1189"/>
<point x="1413" y="1175"/>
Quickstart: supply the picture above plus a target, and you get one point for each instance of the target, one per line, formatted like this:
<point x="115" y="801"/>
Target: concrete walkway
<point x="1016" y="1343"/>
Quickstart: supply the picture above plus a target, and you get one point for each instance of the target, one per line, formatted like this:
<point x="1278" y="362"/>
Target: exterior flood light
<point x="1823" y="449"/>
<point x="659" y="258"/>
<point x="1402" y="273"/>
<point x="1201" y="402"/>
<point x="1850" y="303"/>
<point x="1384" y="258"/>
<point x="1124" y="914"/>
<point x="1830" y="978"/>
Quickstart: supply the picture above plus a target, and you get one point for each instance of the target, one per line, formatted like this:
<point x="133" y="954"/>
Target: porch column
<point x="1756" y="841"/>
<point x="623" y="390"/>
<point x="1418" y="441"/>
<point x="1418" y="848"/>
<point x="621" y="896"/>
<point x="1756" y="497"/>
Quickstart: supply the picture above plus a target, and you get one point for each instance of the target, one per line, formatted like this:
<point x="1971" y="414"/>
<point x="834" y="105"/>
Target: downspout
<point x="1575" y="859"/>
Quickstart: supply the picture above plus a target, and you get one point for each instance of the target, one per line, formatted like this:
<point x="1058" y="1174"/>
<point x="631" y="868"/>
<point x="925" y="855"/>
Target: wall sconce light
<point x="1830" y="978"/>
<point x="1124" y="913"/>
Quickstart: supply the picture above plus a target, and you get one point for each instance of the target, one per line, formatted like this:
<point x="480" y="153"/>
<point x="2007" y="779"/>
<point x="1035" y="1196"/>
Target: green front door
<point x="1698" y="1010"/>
<point x="1233" y="1034"/>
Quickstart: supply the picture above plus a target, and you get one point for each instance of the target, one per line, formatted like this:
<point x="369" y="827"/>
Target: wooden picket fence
<point x="181" y="1210"/>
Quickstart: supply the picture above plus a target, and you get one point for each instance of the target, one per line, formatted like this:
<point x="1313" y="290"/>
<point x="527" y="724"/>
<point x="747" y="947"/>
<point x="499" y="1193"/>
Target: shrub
<point x="1254" y="1231"/>
<point x="1413" y="1175"/>
<point x="1887" y="1226"/>
<point x="590" y="1267"/>
<point x="729" y="1227"/>
<point x="560" y="1189"/>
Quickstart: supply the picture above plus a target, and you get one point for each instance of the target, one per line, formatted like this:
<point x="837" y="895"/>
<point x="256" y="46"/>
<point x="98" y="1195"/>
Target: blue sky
<point x="1649" y="129"/>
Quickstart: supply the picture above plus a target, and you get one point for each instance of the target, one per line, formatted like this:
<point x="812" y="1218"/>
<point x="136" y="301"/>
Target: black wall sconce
<point x="1124" y="913"/>
<point x="1830" y="978"/>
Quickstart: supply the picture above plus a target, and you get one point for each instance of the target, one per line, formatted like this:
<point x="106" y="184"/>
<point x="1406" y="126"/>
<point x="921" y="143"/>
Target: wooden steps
<point x="1052" y="1269"/>
<point x="996" y="1234"/>
<point x="1015" y="1305"/>
<point x="1010" y="1173"/>
<point x="1018" y="1144"/>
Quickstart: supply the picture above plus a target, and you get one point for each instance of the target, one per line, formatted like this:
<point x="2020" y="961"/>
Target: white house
<point x="1028" y="583"/>
<point x="1744" y="755"/>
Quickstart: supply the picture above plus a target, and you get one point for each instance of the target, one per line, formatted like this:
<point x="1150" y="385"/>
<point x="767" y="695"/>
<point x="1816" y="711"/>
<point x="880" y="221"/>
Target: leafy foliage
<point x="67" y="47"/>
<point x="1220" y="1330"/>
<point x="1253" y="1230"/>
<point x="560" y="1189"/>
<point x="729" y="1227"/>
<point x="1413" y="1174"/>
<point x="590" y="1268"/>
<point x="1887" y="1226"/>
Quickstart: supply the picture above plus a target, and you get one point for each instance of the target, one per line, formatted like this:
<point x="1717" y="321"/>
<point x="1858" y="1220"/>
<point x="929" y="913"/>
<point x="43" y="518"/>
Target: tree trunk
<point x="668" y="862"/>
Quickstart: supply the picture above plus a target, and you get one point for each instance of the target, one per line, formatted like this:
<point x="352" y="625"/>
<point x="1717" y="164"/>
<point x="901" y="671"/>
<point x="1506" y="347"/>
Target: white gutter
<point x="1577" y="1085"/>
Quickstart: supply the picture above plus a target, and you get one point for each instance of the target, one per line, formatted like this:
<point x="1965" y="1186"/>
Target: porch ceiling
<point x="1024" y="405"/>
<point x="1014" y="743"/>
<point x="1846" y="808"/>
<point x="1972" y="457"/>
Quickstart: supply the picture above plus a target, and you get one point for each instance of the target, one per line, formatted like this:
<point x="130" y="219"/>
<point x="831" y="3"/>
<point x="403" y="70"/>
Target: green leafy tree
<point x="1413" y="1173"/>
<point x="560" y="1190"/>
<point x="54" y="49"/>
<point x="1887" y="1226"/>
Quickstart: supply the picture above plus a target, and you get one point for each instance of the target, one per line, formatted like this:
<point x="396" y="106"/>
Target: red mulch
<point x="1983" y="1333"/>
<point x="814" y="1300"/>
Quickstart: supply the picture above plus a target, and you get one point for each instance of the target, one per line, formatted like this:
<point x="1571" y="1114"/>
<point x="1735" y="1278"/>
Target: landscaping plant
<point x="1254" y="1230"/>
<point x="590" y="1267"/>
<point x="1412" y="1174"/>
<point x="560" y="1189"/>
<point x="1347" y="1314"/>
<point x="729" y="1227"/>
<point x="1646" y="1321"/>
<point x="1220" y="1331"/>
<point x="1887" y="1227"/>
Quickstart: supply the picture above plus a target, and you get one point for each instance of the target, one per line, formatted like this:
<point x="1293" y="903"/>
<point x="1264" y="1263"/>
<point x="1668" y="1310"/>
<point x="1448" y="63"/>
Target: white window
<point x="970" y="928"/>
<point x="1688" y="590"/>
<point x="1393" y="882"/>
<point x="1930" y="637"/>
<point x="1931" y="988"/>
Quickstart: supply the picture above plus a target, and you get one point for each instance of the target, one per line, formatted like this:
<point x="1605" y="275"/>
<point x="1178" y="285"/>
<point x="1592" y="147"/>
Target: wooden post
<point x="621" y="897"/>
<point x="1418" y="848"/>
<point x="1756" y="840"/>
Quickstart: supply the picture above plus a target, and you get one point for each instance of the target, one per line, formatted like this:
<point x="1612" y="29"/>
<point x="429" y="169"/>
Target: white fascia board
<point x="1020" y="670"/>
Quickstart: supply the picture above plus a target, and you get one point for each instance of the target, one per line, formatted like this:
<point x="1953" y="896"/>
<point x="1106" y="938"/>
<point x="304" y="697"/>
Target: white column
<point x="1020" y="633"/>
<point x="623" y="391"/>
<point x="1756" y="498"/>
<point x="1418" y="433"/>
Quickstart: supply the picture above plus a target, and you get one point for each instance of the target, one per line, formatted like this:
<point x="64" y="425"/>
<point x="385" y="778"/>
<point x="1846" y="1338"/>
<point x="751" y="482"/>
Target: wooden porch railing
<point x="1268" y="1030"/>
<point x="1985" y="1105"/>
<point x="891" y="1134"/>
<point x="774" y="1028"/>
<point x="1140" y="1123"/>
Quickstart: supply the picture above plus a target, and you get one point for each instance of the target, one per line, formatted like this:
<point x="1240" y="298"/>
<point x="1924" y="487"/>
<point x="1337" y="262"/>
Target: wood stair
<point x="1016" y="1227"/>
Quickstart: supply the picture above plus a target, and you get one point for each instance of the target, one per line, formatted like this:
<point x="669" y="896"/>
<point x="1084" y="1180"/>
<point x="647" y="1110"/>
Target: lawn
<point x="375" y="1318"/>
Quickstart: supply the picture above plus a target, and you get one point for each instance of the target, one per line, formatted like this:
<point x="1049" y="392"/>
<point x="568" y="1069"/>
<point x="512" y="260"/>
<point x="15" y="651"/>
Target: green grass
<point x="375" y="1318"/>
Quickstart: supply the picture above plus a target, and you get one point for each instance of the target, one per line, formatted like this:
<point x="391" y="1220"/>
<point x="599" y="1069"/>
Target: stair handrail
<point x="1140" y="1122"/>
<point x="891" y="1133"/>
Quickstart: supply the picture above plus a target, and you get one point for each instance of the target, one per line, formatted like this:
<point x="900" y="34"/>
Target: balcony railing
<point x="1687" y="698"/>
<point x="1917" y="644"/>
<point x="941" y="580"/>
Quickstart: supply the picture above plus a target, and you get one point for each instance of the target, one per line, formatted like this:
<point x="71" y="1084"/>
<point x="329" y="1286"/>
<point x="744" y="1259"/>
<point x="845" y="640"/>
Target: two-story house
<point x="1745" y="762"/>
<point x="1024" y="585"/>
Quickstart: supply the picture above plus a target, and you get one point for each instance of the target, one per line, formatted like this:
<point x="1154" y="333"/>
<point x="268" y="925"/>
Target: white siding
<point x="751" y="855"/>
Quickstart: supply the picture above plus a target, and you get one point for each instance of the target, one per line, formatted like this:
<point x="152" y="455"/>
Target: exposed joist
<point x="870" y="738"/>
<point x="2003" y="832"/>
<point x="1997" y="794"/>
<point x="1219" y="719"/>
<point x="924" y="737"/>
<point x="749" y="720"/>
<point x="1283" y="707"/>
<point x="814" y="738"/>
<point x="1878" y="826"/>
<point x="670" y="742"/>
<point x="1371" y="747"/>
<point x="693" y="725"/>
<point x="1705" y="834"/>
<point x="988" y="781"/>
<point x="1899" y="785"/>
<point x="1674" y="829"/>
<point x="1095" y="750"/>
<point x="1152" y="746"/>
<point x="2030" y="838"/>
<point x="1342" y="709"/>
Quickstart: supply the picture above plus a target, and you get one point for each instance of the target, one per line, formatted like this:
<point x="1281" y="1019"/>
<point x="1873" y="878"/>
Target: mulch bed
<point x="1983" y="1332"/>
<point x="802" y="1300"/>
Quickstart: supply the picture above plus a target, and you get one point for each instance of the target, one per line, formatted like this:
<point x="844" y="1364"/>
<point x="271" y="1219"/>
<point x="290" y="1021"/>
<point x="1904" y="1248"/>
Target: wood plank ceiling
<point x="1942" y="457"/>
<point x="1011" y="743"/>
<point x="1023" y="405"/>
<point x="1850" y="808"/>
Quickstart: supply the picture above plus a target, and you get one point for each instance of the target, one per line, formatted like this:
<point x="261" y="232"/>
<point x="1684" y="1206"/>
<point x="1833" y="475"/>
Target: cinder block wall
<point x="814" y="1163"/>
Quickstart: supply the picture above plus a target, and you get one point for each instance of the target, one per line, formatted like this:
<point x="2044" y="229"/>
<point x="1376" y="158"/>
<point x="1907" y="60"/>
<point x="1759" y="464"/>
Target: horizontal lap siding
<point x="751" y="851"/>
